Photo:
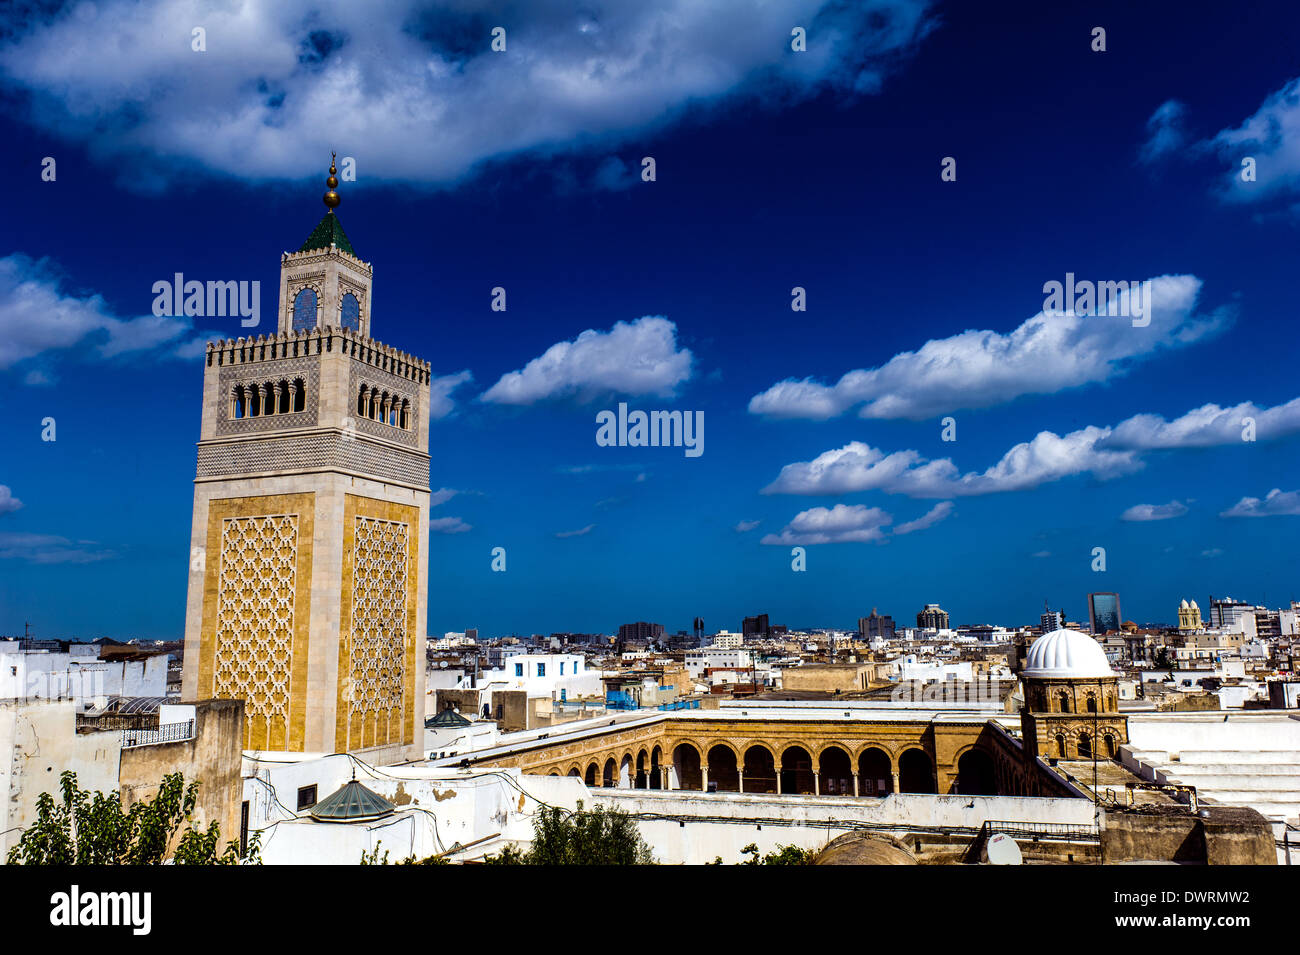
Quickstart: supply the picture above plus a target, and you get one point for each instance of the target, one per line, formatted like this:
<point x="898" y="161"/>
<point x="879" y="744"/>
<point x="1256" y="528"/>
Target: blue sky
<point x="774" y="169"/>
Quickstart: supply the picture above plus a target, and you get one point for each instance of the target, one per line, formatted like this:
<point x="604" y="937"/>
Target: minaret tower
<point x="308" y="578"/>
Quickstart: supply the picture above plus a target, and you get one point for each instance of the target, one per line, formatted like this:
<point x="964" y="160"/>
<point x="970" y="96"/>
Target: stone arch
<point x="609" y="777"/>
<point x="626" y="771"/>
<point x="1063" y="700"/>
<point x="875" y="771"/>
<point x="1108" y="747"/>
<point x="592" y="774"/>
<point x="350" y="311"/>
<point x="305" y="308"/>
<point x="1084" y="744"/>
<point x="656" y="767"/>
<point x="283" y="397"/>
<point x="687" y="765"/>
<point x="976" y="772"/>
<point x="299" y="395"/>
<point x="575" y="770"/>
<point x="797" y="770"/>
<point x="641" y="779"/>
<point x="760" y="768"/>
<point x="724" y="767"/>
<point x="1062" y="746"/>
<point x="915" y="771"/>
<point x="238" y="402"/>
<point x="835" y="769"/>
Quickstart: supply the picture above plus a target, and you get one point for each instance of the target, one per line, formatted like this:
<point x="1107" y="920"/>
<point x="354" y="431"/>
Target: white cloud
<point x="978" y="369"/>
<point x="1102" y="452"/>
<point x="744" y="527"/>
<point x="1165" y="132"/>
<point x="441" y="403"/>
<point x="931" y="517"/>
<point x="49" y="549"/>
<point x="8" y="503"/>
<point x="415" y="93"/>
<point x="581" y="531"/>
<point x="1272" y="137"/>
<point x="632" y="358"/>
<point x="1275" y="503"/>
<point x="860" y="467"/>
<point x="1154" y="512"/>
<point x="1206" y="426"/>
<point x="441" y="496"/>
<point x="448" y="525"/>
<point x="37" y="315"/>
<point x="839" y="524"/>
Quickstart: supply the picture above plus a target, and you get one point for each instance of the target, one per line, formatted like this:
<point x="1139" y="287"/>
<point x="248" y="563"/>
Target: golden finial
<point x="331" y="198"/>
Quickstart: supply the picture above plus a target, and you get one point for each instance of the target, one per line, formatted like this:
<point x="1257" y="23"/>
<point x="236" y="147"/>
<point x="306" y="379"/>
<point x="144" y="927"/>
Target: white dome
<point x="1068" y="654"/>
<point x="1183" y="605"/>
<point x="1194" y="606"/>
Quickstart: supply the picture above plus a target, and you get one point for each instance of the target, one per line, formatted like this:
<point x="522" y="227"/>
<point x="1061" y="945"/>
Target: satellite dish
<point x="442" y="664"/>
<point x="1001" y="849"/>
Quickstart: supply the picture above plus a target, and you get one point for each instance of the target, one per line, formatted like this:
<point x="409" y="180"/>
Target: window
<point x="561" y="668"/>
<point x="350" y="313"/>
<point x="519" y="669"/>
<point x="304" y="310"/>
<point x="306" y="797"/>
<point x="541" y="669"/>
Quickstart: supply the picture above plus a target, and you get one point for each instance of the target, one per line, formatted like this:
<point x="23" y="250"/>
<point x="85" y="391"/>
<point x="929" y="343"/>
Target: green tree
<point x="91" y="828"/>
<point x="784" y="855"/>
<point x="587" y="837"/>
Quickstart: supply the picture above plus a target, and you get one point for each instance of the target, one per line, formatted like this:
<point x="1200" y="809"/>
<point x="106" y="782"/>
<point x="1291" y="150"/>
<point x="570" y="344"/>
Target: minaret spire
<point x="332" y="198"/>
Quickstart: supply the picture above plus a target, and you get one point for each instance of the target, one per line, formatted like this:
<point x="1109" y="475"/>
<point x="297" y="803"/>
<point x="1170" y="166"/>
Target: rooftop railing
<point x="167" y="733"/>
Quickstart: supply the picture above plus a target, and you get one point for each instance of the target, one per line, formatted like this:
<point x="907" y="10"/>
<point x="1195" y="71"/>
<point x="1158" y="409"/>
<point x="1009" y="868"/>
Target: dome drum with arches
<point x="1066" y="654"/>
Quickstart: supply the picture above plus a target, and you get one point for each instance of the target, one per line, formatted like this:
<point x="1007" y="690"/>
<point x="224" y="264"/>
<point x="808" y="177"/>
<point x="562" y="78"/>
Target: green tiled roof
<point x="353" y="803"/>
<point x="447" y="717"/>
<point x="329" y="231"/>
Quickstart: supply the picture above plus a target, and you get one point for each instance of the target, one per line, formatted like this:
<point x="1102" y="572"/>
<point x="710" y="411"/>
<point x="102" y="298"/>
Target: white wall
<point x="809" y="821"/>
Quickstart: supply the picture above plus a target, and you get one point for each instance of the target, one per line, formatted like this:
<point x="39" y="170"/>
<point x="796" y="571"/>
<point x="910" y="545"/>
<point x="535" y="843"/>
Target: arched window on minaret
<point x="299" y="394"/>
<point x="304" y="310"/>
<point x="284" y="400"/>
<point x="406" y="415"/>
<point x="268" y="398"/>
<point x="350" y="313"/>
<point x="361" y="402"/>
<point x="1065" y="701"/>
<point x="254" y="401"/>
<point x="238" y="403"/>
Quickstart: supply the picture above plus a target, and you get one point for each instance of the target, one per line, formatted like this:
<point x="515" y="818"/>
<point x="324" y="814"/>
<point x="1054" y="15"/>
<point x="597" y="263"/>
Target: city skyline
<point x="824" y="429"/>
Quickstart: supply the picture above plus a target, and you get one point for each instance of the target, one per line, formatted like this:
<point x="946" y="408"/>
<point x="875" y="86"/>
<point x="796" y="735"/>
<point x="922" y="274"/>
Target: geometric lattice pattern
<point x="255" y="620"/>
<point x="378" y="637"/>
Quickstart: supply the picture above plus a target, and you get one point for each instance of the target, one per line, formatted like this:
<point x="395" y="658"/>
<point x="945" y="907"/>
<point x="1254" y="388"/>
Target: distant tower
<point x="699" y="629"/>
<point x="308" y="577"/>
<point x="1189" y="616"/>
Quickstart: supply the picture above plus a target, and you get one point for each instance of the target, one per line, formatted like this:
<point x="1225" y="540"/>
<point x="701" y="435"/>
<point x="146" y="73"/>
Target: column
<point x="778" y="779"/>
<point x="663" y="775"/>
<point x="896" y="786"/>
<point x="817" y="783"/>
<point x="740" y="779"/>
<point x="704" y="778"/>
<point x="855" y="785"/>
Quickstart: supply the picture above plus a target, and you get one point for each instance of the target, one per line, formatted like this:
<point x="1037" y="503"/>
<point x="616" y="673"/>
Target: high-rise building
<point x="876" y="626"/>
<point x="932" y="617"/>
<point x="1226" y="613"/>
<point x="1103" y="612"/>
<point x="310" y="528"/>
<point x="1051" y="620"/>
<point x="641" y="632"/>
<point x="755" y="627"/>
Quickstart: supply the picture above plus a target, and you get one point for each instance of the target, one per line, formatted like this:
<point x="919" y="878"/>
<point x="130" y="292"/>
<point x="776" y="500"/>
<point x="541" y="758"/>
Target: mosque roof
<point x="1067" y="653"/>
<point x="447" y="717"/>
<point x="328" y="232"/>
<point x="351" y="803"/>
